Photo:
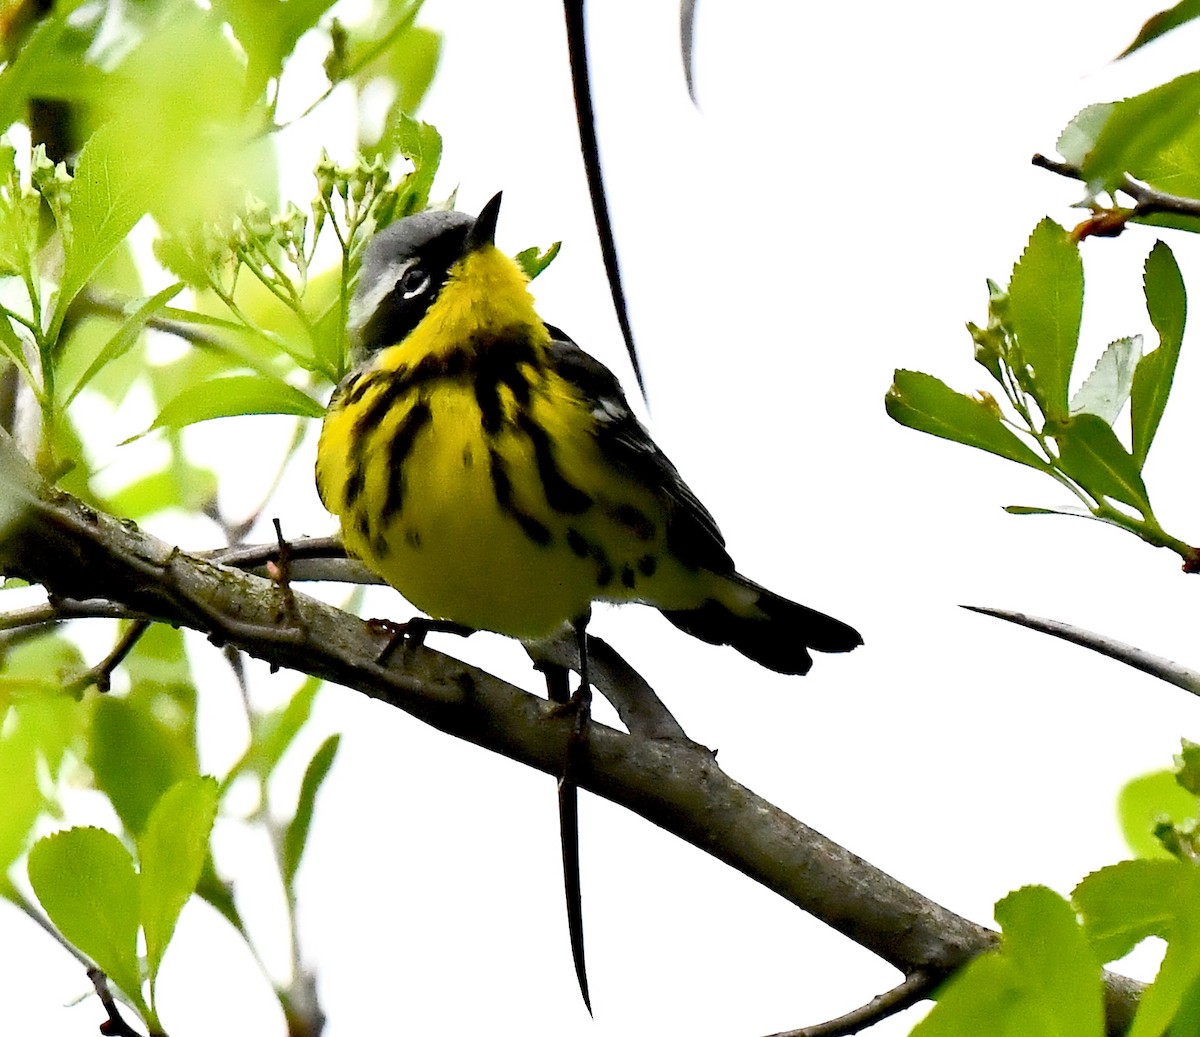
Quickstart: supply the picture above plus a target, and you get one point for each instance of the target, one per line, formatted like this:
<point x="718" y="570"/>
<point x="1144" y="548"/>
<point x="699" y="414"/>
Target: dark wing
<point x="692" y="534"/>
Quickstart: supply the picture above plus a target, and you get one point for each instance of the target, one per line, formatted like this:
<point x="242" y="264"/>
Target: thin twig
<point x="101" y="674"/>
<point x="916" y="987"/>
<point x="1147" y="200"/>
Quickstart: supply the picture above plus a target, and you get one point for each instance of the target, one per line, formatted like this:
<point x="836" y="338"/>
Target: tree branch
<point x="80" y="554"/>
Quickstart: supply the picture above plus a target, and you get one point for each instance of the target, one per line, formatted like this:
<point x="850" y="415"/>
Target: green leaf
<point x="172" y="851"/>
<point x="1067" y="511"/>
<point x="85" y="881"/>
<point x="982" y="998"/>
<point x="1166" y="302"/>
<point x="234" y="396"/>
<point x="272" y="733"/>
<point x="408" y="64"/>
<point x="412" y="61"/>
<point x="181" y="486"/>
<point x="421" y="144"/>
<point x="1090" y="453"/>
<point x="1145" y="801"/>
<point x="110" y="193"/>
<point x="268" y="34"/>
<point x="1079" y="136"/>
<point x="33" y="735"/>
<point x="180" y="106"/>
<point x="1044" y="978"/>
<point x="39" y="61"/>
<point x="1138" y="129"/>
<point x="1123" y="904"/>
<point x="1187" y="766"/>
<point x="41" y="666"/>
<point x="296" y="836"/>
<point x="124" y="338"/>
<point x="927" y="404"/>
<point x="1106" y="389"/>
<point x="1059" y="974"/>
<point x="136" y="755"/>
<point x="533" y="261"/>
<point x="1045" y="305"/>
<point x="1159" y="24"/>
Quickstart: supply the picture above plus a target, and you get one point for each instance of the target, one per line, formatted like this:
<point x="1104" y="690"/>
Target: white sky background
<point x="830" y="212"/>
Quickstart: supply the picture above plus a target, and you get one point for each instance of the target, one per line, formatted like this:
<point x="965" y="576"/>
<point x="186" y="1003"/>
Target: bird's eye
<point x="413" y="283"/>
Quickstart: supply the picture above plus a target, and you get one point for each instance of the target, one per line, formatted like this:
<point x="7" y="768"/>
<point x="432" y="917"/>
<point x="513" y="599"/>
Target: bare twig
<point x="1147" y="200"/>
<point x="101" y="674"/>
<point x="1147" y="662"/>
<point x="916" y="987"/>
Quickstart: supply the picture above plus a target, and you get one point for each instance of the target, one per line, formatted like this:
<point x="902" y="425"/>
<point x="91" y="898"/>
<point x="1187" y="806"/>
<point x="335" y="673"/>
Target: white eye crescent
<point x="413" y="283"/>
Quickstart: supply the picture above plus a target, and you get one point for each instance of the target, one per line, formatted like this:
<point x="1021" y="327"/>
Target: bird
<point x="494" y="473"/>
<point x="490" y="470"/>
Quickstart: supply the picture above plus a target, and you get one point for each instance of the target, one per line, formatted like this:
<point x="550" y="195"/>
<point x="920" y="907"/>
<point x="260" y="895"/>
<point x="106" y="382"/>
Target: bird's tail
<point x="773" y="631"/>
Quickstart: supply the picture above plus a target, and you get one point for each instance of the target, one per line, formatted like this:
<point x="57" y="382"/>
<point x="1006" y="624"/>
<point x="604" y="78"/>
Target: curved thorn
<point x="687" y="45"/>
<point x="1164" y="669"/>
<point x="558" y="691"/>
<point x="586" y="117"/>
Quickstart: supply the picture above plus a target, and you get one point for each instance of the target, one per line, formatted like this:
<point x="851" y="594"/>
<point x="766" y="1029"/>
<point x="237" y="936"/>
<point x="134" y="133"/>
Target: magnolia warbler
<point x="491" y="471"/>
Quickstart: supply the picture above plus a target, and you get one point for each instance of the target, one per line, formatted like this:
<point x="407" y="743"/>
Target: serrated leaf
<point x="1138" y="129"/>
<point x="296" y="836"/>
<point x="1079" y="136"/>
<point x="1045" y="306"/>
<point x="172" y="850"/>
<point x="1059" y="974"/>
<point x="1090" y="453"/>
<point x="235" y="396"/>
<point x="927" y="404"/>
<point x="85" y="881"/>
<point x="1123" y="904"/>
<point x="1159" y="24"/>
<point x="109" y="194"/>
<point x="1146" y="800"/>
<point x="1105" y="391"/>
<point x="1166" y="302"/>
<point x="1043" y="979"/>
